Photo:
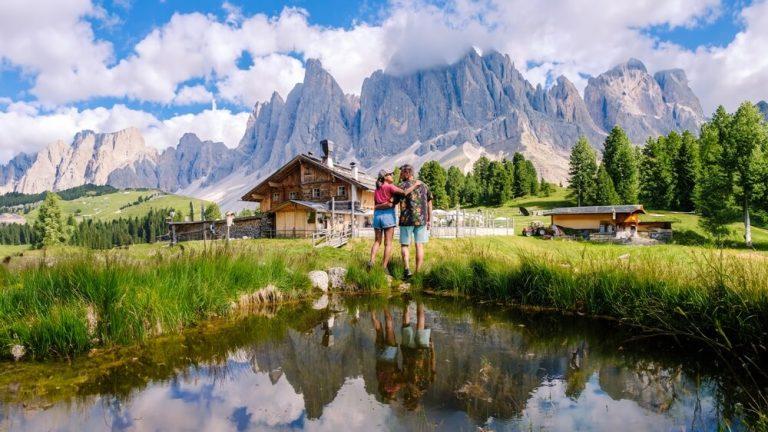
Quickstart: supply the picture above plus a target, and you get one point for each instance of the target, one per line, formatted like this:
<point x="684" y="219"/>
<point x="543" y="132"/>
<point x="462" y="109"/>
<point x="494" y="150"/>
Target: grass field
<point x="107" y="207"/>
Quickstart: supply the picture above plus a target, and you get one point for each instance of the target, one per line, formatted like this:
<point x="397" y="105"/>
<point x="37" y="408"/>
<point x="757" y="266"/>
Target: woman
<point x="384" y="218"/>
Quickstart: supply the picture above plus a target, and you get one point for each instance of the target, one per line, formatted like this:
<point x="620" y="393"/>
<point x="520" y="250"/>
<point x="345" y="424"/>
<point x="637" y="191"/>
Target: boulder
<point x="319" y="279"/>
<point x="337" y="276"/>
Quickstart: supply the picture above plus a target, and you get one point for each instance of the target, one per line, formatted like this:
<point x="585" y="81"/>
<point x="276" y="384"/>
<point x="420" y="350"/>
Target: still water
<point x="372" y="364"/>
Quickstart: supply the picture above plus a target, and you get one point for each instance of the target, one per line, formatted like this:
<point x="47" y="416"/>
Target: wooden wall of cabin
<point x="593" y="221"/>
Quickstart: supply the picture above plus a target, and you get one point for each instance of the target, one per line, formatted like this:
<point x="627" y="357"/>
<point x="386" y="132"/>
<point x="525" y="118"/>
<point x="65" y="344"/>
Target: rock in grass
<point x="338" y="276"/>
<point x="18" y="351"/>
<point x="319" y="279"/>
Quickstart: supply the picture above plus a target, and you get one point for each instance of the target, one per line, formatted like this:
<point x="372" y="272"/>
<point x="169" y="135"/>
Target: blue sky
<point x="157" y="64"/>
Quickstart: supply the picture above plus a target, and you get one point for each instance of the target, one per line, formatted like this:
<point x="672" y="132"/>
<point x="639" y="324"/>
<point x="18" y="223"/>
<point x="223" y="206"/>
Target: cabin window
<point x="341" y="191"/>
<point x="316" y="193"/>
<point x="311" y="217"/>
<point x="293" y="195"/>
<point x="276" y="196"/>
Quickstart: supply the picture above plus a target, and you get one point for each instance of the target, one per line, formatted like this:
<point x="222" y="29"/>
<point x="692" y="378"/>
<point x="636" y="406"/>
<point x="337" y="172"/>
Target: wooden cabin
<point x="310" y="194"/>
<point x="608" y="222"/>
<point x="618" y="220"/>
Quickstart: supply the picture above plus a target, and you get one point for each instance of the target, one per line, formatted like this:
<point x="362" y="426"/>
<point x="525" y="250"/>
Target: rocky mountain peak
<point x="643" y="105"/>
<point x="763" y="107"/>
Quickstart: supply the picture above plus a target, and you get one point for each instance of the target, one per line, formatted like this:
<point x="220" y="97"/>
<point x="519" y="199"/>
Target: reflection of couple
<point x="415" y="203"/>
<point x="418" y="357"/>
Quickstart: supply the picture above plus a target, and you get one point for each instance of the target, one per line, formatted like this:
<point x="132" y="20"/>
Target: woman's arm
<point x="413" y="187"/>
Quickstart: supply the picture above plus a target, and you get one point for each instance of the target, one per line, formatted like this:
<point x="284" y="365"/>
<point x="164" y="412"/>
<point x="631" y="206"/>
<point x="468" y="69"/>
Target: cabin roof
<point x="631" y="208"/>
<point x="363" y="180"/>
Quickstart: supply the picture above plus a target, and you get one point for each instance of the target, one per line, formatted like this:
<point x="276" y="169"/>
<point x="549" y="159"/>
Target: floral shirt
<point x="414" y="207"/>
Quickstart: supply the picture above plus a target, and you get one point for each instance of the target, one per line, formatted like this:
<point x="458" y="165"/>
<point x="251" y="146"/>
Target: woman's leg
<point x="389" y="233"/>
<point x="375" y="246"/>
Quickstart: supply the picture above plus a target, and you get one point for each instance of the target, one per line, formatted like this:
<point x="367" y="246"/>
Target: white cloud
<point x="55" y="46"/>
<point x="274" y="72"/>
<point x="188" y="95"/>
<point x="23" y="128"/>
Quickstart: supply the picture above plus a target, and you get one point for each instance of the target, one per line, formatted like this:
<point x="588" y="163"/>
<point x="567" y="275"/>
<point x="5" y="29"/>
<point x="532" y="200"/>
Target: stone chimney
<point x="327" y="146"/>
<point x="355" y="172"/>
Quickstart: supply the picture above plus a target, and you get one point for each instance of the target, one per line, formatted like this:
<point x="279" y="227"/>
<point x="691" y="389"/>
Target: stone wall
<point x="245" y="227"/>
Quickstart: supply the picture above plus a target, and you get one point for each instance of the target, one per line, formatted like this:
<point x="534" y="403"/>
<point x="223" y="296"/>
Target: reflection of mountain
<point x="309" y="368"/>
<point x="483" y="370"/>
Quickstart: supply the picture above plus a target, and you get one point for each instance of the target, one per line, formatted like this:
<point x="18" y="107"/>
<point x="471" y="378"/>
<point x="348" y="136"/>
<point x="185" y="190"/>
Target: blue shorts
<point x="384" y="218"/>
<point x="419" y="233"/>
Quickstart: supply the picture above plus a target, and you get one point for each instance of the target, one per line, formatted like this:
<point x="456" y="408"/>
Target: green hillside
<point x="123" y="204"/>
<point x="686" y="225"/>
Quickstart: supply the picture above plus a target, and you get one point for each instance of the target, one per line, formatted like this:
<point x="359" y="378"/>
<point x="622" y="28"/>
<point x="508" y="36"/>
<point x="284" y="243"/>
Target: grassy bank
<point x="73" y="304"/>
<point x="716" y="298"/>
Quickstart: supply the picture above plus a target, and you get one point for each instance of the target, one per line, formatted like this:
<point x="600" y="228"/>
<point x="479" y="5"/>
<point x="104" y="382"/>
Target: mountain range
<point x="480" y="105"/>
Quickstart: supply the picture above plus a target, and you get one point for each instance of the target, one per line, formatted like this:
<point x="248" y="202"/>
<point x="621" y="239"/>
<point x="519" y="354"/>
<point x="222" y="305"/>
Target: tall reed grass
<point x="716" y="299"/>
<point x="96" y="300"/>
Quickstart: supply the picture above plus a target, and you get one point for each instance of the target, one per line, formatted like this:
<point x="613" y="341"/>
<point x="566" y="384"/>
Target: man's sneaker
<point x="407" y="274"/>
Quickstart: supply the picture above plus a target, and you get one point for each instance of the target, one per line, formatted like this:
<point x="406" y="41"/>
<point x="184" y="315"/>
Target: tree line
<point x="722" y="174"/>
<point x="14" y="199"/>
<point x="489" y="182"/>
<point x="51" y="228"/>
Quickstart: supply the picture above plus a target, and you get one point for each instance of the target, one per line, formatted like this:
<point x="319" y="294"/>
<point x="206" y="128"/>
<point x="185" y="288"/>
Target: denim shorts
<point x="419" y="233"/>
<point x="384" y="218"/>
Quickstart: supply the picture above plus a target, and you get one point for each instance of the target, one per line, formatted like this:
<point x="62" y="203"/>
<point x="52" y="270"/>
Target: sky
<point x="104" y="65"/>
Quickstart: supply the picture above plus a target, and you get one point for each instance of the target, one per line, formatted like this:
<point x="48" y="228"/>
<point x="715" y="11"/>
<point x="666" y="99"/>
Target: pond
<point x="375" y="363"/>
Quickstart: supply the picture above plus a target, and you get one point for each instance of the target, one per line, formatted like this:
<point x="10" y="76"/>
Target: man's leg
<point x="405" y="241"/>
<point x="421" y="236"/>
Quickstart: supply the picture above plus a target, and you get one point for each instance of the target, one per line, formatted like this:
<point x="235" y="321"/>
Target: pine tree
<point x="605" y="193"/>
<point x="454" y="184"/>
<point x="581" y="172"/>
<point x="620" y="161"/>
<point x="714" y="191"/>
<point x="434" y="176"/>
<point x="471" y="194"/>
<point x="522" y="175"/>
<point x="656" y="175"/>
<point x="191" y="211"/>
<point x="500" y="184"/>
<point x="745" y="154"/>
<point x="482" y="179"/>
<point x="532" y="178"/>
<point x="686" y="170"/>
<point x="212" y="212"/>
<point x="49" y="226"/>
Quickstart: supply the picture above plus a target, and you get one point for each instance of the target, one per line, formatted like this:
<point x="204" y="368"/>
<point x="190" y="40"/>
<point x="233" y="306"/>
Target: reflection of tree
<point x="648" y="383"/>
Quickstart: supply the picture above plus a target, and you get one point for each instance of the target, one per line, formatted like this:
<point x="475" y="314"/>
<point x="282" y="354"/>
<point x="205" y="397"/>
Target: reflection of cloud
<point x="549" y="408"/>
<point x="354" y="409"/>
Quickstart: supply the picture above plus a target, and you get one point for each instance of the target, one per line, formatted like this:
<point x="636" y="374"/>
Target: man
<point x="415" y="218"/>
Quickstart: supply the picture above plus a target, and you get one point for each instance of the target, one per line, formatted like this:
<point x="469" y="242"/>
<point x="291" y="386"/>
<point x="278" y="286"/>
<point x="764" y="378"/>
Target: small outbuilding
<point x="617" y="222"/>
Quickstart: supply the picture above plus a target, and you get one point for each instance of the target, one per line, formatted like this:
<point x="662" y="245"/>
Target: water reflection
<point x="397" y="365"/>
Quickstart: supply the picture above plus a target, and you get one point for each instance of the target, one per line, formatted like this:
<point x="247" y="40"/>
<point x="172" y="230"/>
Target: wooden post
<point x="333" y="214"/>
<point x="202" y="218"/>
<point x="354" y="198"/>
<point x="456" y="222"/>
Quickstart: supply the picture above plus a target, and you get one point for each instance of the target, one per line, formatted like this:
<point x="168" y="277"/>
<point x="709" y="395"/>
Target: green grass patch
<point x="719" y="299"/>
<point x="45" y="308"/>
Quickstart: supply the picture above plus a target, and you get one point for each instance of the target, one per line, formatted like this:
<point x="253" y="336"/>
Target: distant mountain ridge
<point x="480" y="105"/>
